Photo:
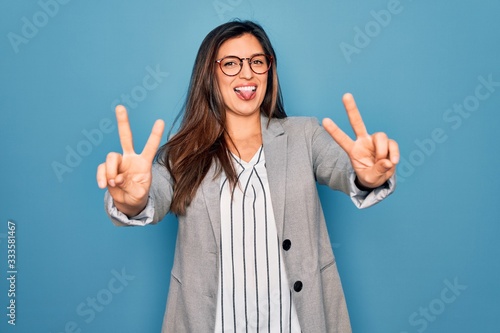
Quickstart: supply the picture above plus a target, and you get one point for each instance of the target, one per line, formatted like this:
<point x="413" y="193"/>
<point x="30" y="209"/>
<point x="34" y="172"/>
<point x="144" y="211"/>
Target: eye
<point x="230" y="62"/>
<point x="259" y="60"/>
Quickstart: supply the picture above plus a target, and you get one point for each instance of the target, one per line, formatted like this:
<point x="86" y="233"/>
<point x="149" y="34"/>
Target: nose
<point x="246" y="72"/>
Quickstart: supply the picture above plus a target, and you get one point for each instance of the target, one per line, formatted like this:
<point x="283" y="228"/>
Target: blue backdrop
<point x="425" y="72"/>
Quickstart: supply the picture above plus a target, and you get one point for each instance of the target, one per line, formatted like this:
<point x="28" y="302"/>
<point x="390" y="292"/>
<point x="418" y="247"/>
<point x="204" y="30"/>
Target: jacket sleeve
<point x="160" y="196"/>
<point x="333" y="168"/>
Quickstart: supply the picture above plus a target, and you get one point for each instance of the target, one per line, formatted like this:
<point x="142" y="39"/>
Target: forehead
<point x="242" y="46"/>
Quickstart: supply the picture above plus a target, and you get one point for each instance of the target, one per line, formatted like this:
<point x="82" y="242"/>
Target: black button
<point x="287" y="244"/>
<point x="297" y="286"/>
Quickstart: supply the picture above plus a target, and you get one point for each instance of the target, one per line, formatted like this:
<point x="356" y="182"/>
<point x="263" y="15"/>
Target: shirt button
<point x="297" y="286"/>
<point x="287" y="244"/>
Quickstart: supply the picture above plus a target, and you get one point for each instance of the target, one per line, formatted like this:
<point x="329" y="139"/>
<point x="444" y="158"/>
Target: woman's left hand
<point x="373" y="156"/>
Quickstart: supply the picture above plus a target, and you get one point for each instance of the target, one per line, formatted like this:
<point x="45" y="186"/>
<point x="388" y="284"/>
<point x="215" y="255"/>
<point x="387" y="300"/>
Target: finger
<point x="355" y="119"/>
<point x="394" y="151"/>
<point x="338" y="135"/>
<point x="124" y="130"/>
<point x="113" y="161"/>
<point x="383" y="166"/>
<point x="119" y="180"/>
<point x="154" y="140"/>
<point x="381" y="143"/>
<point x="101" y="176"/>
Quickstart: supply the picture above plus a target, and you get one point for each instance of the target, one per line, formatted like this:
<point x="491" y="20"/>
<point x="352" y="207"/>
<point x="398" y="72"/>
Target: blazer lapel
<point x="275" y="150"/>
<point x="275" y="147"/>
<point x="211" y="189"/>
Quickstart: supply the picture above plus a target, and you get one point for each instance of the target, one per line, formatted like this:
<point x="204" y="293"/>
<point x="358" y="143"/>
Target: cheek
<point x="224" y="87"/>
<point x="224" y="83"/>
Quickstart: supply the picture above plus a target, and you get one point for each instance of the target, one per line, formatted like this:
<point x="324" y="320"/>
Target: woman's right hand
<point x="128" y="176"/>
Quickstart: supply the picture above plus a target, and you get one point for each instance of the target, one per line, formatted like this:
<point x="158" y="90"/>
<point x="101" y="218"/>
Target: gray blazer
<point x="299" y="153"/>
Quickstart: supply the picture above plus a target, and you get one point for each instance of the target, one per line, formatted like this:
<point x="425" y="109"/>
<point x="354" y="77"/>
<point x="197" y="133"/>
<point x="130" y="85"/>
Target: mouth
<point x="245" y="93"/>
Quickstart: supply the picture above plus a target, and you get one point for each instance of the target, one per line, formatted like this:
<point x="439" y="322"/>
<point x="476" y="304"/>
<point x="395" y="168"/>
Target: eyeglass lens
<point x="232" y="65"/>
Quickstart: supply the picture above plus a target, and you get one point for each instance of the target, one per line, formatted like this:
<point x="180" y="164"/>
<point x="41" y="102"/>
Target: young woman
<point x="252" y="253"/>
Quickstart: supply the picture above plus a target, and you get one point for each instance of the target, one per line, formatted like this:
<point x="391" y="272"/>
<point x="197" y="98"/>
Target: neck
<point x="244" y="135"/>
<point x="243" y="128"/>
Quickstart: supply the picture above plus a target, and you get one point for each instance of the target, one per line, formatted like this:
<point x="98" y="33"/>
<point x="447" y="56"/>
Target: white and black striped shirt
<point x="254" y="295"/>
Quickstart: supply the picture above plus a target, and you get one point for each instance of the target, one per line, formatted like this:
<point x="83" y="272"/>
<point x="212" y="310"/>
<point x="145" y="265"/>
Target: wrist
<point x="360" y="186"/>
<point x="129" y="210"/>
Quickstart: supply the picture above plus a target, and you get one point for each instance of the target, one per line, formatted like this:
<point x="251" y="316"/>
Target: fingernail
<point x="101" y="183"/>
<point x="112" y="183"/>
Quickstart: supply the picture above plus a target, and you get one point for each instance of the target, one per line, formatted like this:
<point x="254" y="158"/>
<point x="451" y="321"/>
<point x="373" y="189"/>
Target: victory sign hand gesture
<point x="128" y="176"/>
<point x="373" y="156"/>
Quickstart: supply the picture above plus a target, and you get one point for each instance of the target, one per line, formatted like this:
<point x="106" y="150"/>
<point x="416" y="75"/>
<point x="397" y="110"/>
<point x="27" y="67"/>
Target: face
<point x="243" y="93"/>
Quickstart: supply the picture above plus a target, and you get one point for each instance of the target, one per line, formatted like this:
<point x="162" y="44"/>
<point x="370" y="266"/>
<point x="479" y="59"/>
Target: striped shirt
<point x="254" y="295"/>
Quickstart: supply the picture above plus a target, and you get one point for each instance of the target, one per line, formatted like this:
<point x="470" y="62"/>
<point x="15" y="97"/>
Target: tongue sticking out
<point x="246" y="93"/>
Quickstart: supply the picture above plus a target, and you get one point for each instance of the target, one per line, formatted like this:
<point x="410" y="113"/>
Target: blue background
<point x="397" y="260"/>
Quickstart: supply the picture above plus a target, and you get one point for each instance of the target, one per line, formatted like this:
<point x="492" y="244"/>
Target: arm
<point x="128" y="176"/>
<point x="369" y="162"/>
<point x="157" y="206"/>
<point x="332" y="167"/>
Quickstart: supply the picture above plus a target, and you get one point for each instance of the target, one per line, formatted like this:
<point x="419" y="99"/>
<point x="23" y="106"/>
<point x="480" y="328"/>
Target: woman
<point x="252" y="253"/>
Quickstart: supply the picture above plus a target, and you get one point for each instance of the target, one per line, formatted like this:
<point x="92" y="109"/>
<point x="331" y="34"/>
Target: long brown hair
<point x="189" y="154"/>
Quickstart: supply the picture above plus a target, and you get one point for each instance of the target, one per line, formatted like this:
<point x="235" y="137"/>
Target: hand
<point x="373" y="157"/>
<point x="128" y="176"/>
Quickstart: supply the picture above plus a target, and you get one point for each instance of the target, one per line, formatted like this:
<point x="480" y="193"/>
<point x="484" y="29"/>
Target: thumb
<point x="119" y="180"/>
<point x="383" y="165"/>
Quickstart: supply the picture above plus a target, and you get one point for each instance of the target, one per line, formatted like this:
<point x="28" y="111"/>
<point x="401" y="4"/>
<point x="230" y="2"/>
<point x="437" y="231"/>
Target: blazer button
<point x="297" y="286"/>
<point x="287" y="244"/>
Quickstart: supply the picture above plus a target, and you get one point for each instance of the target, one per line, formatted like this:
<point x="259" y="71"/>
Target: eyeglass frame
<point x="269" y="58"/>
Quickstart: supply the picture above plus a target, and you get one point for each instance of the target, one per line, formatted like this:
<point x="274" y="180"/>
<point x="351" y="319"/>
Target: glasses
<point x="232" y="65"/>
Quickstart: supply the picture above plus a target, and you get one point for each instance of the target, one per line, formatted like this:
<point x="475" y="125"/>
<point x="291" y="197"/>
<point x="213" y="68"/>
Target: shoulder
<point x="296" y="121"/>
<point x="303" y="129"/>
<point x="298" y="124"/>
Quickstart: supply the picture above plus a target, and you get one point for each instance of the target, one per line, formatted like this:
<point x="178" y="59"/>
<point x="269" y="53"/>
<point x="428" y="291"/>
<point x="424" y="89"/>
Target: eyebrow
<point x="232" y="55"/>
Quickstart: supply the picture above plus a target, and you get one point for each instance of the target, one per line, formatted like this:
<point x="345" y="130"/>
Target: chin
<point x="245" y="109"/>
<point x="245" y="112"/>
